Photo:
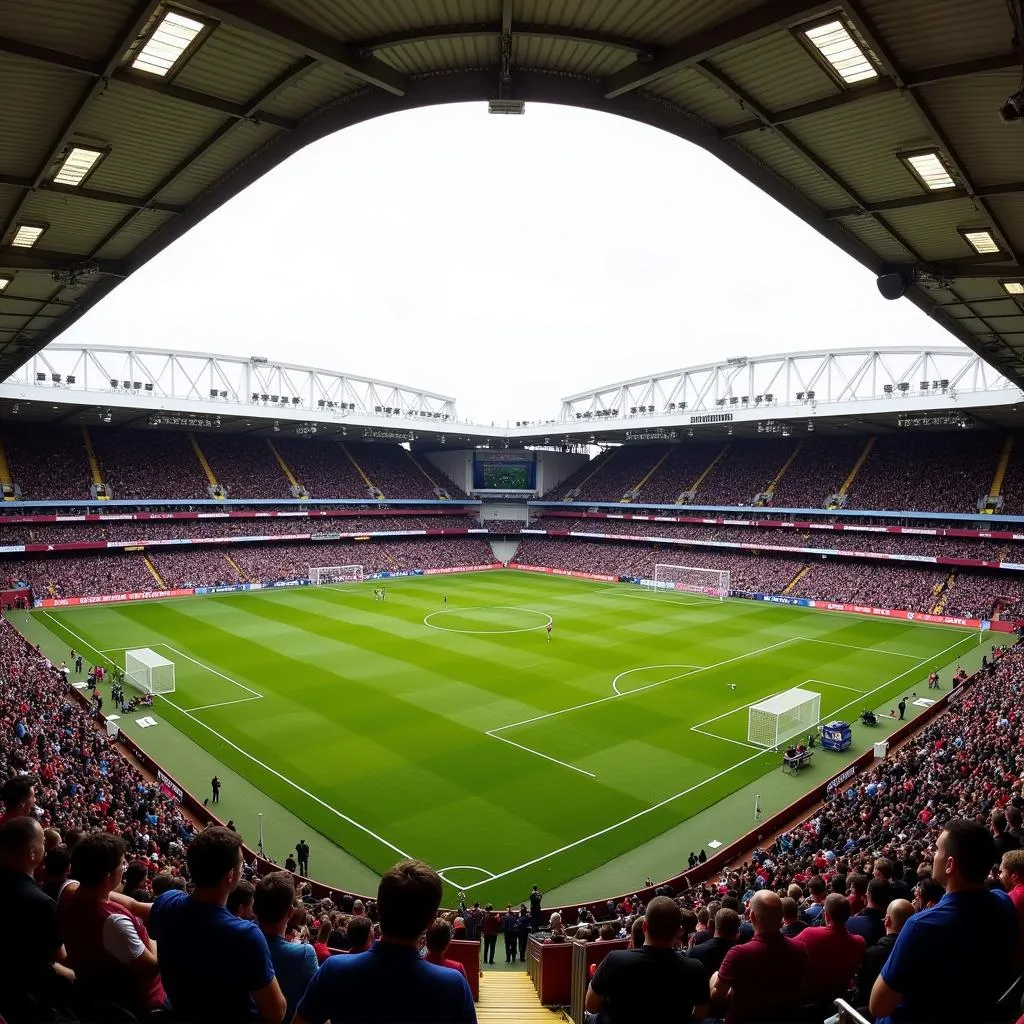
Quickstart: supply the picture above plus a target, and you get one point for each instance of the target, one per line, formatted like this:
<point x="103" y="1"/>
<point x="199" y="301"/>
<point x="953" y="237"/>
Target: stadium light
<point x="980" y="240"/>
<point x="77" y="165"/>
<point x="1010" y="287"/>
<point x="4" y="282"/>
<point x="833" y="44"/>
<point x="26" y="235"/>
<point x="929" y="169"/>
<point x="174" y="37"/>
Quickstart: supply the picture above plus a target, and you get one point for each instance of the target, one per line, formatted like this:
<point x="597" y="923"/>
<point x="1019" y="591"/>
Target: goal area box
<point x="792" y="713"/>
<point x="148" y="671"/>
<point x="321" y="574"/>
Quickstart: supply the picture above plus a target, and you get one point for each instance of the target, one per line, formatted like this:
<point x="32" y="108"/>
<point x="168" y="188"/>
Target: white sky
<point x="506" y="261"/>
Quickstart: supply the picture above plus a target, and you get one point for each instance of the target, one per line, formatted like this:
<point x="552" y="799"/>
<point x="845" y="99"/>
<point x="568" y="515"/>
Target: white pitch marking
<point x="273" y="771"/>
<point x="463" y="867"/>
<point x="487" y="632"/>
<point x="715" y="736"/>
<point x="225" y="703"/>
<point x="854" y="647"/>
<point x="194" y="661"/>
<point x="547" y="757"/>
<point x="740" y="707"/>
<point x="695" y="787"/>
<point x="643" y="668"/>
<point x="838" y="686"/>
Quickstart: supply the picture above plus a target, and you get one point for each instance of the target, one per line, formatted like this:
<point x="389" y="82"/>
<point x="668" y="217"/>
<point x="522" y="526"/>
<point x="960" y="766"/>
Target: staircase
<point x="596" y="466"/>
<point x="297" y="490"/>
<point x="797" y="578"/>
<point x="234" y="568"/>
<point x="439" y="492"/>
<point x="634" y="492"/>
<point x="508" y="997"/>
<point x="770" y="489"/>
<point x="213" y="488"/>
<point x="371" y="487"/>
<point x="857" y="467"/>
<point x="152" y="571"/>
<point x="395" y="564"/>
<point x="942" y="593"/>
<point x="99" y="489"/>
<point x="995" y="493"/>
<point x="692" y="489"/>
<point x="6" y="480"/>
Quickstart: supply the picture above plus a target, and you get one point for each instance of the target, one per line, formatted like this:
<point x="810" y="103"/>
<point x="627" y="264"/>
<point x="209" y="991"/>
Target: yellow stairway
<point x="359" y="469"/>
<point x="647" y="476"/>
<point x="238" y="572"/>
<point x="94" y="464"/>
<point x="5" y="475"/>
<point x="211" y="479"/>
<point x="714" y="462"/>
<point x="152" y="569"/>
<point x="416" y="463"/>
<point x="508" y="997"/>
<point x="942" y="592"/>
<point x="285" y="468"/>
<point x="857" y="466"/>
<point x="797" y="578"/>
<point x="782" y="472"/>
<point x="997" y="480"/>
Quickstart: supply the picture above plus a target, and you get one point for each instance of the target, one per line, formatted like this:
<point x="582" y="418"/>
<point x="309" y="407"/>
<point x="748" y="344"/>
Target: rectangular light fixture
<point x="4" y="282"/>
<point x="1010" y="287"/>
<point x="26" y="235"/>
<point x="167" y="44"/>
<point x="77" y="165"/>
<point x="980" y="240"/>
<point x="929" y="169"/>
<point x="832" y="41"/>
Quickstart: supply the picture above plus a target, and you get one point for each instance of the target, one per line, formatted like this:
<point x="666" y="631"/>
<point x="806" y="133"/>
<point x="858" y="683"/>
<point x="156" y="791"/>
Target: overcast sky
<point x="506" y="261"/>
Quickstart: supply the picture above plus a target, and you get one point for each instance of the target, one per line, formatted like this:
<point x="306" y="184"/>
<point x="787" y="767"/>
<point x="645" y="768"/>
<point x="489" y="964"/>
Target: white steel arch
<point x="793" y="381"/>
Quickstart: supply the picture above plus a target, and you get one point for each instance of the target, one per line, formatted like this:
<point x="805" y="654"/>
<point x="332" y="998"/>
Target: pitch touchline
<point x="273" y="771"/>
<point x="692" y="789"/>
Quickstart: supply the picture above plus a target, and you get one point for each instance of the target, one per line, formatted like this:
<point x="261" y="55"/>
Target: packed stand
<point x="819" y="470"/>
<point x="679" y="471"/>
<point x="856" y="582"/>
<point x="245" y="466"/>
<point x="927" y="472"/>
<point x="148" y="464"/>
<point x="193" y="567"/>
<point x="582" y="475"/>
<point x="397" y="474"/>
<point x="621" y="471"/>
<point x="323" y="468"/>
<point x="505" y="526"/>
<point x="745" y="471"/>
<point x="76" y="576"/>
<point x="973" y="594"/>
<point x="47" y="464"/>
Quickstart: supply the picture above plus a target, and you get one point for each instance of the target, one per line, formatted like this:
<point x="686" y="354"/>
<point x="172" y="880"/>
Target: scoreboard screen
<point x="503" y="476"/>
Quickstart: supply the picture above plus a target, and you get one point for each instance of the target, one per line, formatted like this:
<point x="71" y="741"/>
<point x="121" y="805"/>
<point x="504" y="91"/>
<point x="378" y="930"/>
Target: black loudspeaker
<point x="892" y="286"/>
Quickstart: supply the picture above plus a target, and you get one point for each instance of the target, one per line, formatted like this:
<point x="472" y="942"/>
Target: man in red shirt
<point x="439" y="935"/>
<point x="766" y="977"/>
<point x="833" y="954"/>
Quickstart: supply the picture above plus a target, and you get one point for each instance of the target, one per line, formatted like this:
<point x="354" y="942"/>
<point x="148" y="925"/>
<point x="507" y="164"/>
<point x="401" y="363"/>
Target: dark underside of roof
<point x="736" y="77"/>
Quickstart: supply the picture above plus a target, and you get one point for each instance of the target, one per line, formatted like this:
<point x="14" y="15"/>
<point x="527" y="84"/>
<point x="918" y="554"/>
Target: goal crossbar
<point x="791" y="713"/>
<point x="320" y="574"/>
<point x="148" y="671"/>
<point x="691" y="580"/>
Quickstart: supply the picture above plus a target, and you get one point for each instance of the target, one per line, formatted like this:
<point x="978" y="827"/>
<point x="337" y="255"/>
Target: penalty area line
<point x="547" y="757"/>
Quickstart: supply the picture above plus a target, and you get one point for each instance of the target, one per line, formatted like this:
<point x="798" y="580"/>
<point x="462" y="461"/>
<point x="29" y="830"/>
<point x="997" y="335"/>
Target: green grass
<point x="525" y="761"/>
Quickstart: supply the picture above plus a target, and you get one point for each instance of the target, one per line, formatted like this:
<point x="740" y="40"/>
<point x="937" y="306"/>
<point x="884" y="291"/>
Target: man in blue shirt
<point x="295" y="963"/>
<point x="215" y="966"/>
<point x="390" y="983"/>
<point x="951" y="963"/>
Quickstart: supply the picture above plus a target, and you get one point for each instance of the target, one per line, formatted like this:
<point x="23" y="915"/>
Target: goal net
<point x="773" y="721"/>
<point x="708" y="582"/>
<point x="148" y="671"/>
<point x="335" y="574"/>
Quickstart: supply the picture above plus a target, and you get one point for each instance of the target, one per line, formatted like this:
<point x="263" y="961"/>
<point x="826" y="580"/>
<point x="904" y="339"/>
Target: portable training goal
<point x="780" y="718"/>
<point x="708" y="582"/>
<point x="319" y="574"/>
<point x="148" y="671"/>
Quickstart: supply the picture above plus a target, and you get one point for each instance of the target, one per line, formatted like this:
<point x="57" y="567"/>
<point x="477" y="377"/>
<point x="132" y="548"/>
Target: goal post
<point x="773" y="721"/>
<point x="148" y="671"/>
<point x="319" y="574"/>
<point x="707" y="582"/>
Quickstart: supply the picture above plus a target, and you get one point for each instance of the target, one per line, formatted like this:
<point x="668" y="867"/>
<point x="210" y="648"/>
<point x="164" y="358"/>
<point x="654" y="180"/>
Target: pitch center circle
<point x="487" y="621"/>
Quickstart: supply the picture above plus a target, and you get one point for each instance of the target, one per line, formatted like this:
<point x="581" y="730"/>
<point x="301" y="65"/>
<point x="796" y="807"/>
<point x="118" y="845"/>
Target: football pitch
<point x="458" y="733"/>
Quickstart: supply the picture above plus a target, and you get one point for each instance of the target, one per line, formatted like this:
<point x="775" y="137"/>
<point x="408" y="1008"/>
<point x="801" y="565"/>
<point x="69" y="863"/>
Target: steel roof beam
<point x="250" y="16"/>
<point x="912" y="80"/>
<point x="94" y="69"/>
<point x="761" y="21"/>
<point x="486" y="29"/>
<point x="41" y="259"/>
<point x="98" y="195"/>
<point x="865" y="26"/>
<point x="927" y="199"/>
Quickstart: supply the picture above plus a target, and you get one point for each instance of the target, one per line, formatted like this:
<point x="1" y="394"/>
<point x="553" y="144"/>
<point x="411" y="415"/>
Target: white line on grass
<point x="838" y="686"/>
<point x="643" y="668"/>
<point x="547" y="757"/>
<point x="694" y="788"/>
<point x="273" y="771"/>
<point x="728" y="739"/>
<point x="854" y="647"/>
<point x="741" y="707"/>
<point x="224" y="703"/>
<point x="188" y="657"/>
<point x="463" y="867"/>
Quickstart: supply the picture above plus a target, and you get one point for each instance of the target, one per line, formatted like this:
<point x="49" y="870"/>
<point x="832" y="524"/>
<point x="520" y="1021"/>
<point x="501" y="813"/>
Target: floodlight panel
<point x="837" y="47"/>
<point x="931" y="171"/>
<point x="982" y="242"/>
<point x="77" y="165"/>
<point x="165" y="47"/>
<point x="26" y="235"/>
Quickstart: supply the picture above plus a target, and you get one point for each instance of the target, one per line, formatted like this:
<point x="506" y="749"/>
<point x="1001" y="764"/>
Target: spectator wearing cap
<point x="438" y="938"/>
<point x="833" y="954"/>
<point x="921" y="981"/>
<point x="107" y="944"/>
<point x="896" y="916"/>
<point x="295" y="963"/>
<point x="653" y="983"/>
<point x="765" y="978"/>
<point x="215" y="966"/>
<point x="391" y="983"/>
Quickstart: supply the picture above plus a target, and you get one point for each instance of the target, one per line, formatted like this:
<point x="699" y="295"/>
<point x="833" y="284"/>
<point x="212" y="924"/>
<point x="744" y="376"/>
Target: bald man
<point x="766" y="977"/>
<point x="896" y="916"/>
<point x="833" y="954"/>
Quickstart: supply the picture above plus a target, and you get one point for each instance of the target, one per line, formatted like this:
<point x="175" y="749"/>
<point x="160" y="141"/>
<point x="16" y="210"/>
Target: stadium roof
<point x="875" y="121"/>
